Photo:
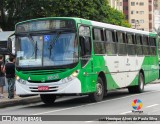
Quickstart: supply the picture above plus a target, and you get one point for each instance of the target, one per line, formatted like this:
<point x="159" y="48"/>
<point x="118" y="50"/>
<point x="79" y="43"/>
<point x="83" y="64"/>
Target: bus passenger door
<point x="86" y="58"/>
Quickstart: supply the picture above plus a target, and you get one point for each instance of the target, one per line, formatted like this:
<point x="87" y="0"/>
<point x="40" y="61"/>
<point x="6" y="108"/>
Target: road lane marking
<point x="89" y="121"/>
<point x="125" y="112"/>
<point x="152" y="105"/>
<point x="93" y="103"/>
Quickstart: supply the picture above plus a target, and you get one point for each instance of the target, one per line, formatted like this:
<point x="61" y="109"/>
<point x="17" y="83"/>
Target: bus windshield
<point x="54" y="49"/>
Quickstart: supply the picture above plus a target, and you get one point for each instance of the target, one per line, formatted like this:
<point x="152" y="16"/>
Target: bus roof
<point x="97" y="24"/>
<point x="120" y="28"/>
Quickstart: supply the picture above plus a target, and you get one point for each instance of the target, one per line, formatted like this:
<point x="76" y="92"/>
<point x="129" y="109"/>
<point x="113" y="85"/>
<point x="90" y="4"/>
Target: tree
<point x="97" y="10"/>
<point x="2" y="14"/>
<point x="14" y="11"/>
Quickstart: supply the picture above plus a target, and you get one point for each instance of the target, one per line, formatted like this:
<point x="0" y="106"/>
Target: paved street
<point x="117" y="102"/>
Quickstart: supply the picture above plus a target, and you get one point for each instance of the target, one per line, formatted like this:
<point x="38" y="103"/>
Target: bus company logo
<point x="137" y="105"/>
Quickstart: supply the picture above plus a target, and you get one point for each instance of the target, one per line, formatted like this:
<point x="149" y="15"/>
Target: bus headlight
<point x="21" y="81"/>
<point x="75" y="73"/>
<point x="17" y="78"/>
<point x="71" y="77"/>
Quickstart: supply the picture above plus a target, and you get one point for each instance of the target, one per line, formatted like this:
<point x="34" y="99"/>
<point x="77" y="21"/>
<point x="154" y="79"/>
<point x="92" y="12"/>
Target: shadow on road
<point x="72" y="101"/>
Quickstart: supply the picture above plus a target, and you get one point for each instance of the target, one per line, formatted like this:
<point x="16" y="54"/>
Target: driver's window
<point x="85" y="44"/>
<point x="85" y="41"/>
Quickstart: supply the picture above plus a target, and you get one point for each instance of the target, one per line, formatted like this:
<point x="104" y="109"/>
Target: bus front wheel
<point x="98" y="95"/>
<point x="140" y="87"/>
<point x="48" y="98"/>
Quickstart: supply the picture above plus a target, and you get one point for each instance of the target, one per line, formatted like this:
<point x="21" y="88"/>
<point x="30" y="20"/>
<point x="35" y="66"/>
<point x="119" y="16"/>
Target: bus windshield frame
<point x="43" y="48"/>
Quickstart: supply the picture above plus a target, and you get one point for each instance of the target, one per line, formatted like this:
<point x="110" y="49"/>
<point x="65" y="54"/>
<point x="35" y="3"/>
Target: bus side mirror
<point x="9" y="45"/>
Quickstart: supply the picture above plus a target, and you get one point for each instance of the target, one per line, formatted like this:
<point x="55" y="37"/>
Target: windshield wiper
<point x="53" y="43"/>
<point x="36" y="47"/>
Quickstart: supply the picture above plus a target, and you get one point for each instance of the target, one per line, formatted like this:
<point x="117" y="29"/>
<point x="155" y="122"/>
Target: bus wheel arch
<point x="103" y="77"/>
<point x="100" y="88"/>
<point x="140" y="87"/>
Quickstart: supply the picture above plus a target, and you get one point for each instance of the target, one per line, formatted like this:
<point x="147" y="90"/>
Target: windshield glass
<point x="47" y="50"/>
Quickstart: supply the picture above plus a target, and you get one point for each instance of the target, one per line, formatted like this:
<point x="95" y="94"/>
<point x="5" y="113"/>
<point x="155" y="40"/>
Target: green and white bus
<point x="73" y="56"/>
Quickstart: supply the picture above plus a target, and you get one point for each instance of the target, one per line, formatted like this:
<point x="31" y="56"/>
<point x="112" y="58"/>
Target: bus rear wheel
<point x="98" y="95"/>
<point x="48" y="99"/>
<point x="140" y="87"/>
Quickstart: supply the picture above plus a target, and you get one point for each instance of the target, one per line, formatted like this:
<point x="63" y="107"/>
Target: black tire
<point x="48" y="99"/>
<point x="98" y="95"/>
<point x="140" y="87"/>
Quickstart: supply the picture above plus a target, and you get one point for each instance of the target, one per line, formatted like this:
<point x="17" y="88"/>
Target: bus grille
<point x="43" y="72"/>
<point x="49" y="81"/>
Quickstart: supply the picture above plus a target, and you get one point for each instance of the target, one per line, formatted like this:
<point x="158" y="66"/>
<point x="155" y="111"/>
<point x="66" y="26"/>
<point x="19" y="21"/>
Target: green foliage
<point x="13" y="11"/>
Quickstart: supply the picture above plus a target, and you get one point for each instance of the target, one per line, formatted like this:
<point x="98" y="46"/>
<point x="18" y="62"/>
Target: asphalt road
<point x="118" y="102"/>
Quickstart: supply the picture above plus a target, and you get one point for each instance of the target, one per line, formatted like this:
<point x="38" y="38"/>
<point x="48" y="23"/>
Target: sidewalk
<point x="5" y="102"/>
<point x="156" y="81"/>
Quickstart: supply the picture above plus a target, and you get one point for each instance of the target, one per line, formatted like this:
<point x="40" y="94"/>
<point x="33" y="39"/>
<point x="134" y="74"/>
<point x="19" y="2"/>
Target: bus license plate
<point x="43" y="88"/>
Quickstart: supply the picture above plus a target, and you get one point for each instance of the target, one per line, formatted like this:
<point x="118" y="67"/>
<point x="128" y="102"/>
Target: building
<point x="117" y="4"/>
<point x="139" y="13"/>
<point x="157" y="4"/>
<point x="157" y="14"/>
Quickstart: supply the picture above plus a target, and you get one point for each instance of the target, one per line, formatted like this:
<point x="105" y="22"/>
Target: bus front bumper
<point x="59" y="87"/>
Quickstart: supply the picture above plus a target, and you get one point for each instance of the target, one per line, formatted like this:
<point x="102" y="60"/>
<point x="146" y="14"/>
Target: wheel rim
<point x="99" y="89"/>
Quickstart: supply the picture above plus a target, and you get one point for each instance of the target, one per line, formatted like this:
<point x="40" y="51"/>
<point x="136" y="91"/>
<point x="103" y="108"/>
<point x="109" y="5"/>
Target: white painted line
<point x="152" y="105"/>
<point x="89" y="121"/>
<point x="125" y="113"/>
<point x="93" y="103"/>
<point x="57" y="110"/>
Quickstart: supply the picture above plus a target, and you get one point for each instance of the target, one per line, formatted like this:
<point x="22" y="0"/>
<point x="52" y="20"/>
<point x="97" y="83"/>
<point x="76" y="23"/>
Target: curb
<point x="21" y="101"/>
<point x="155" y="82"/>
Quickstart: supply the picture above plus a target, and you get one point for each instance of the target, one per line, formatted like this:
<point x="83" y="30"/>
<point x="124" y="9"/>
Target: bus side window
<point x="85" y="45"/>
<point x="88" y="46"/>
<point x="110" y="42"/>
<point x="154" y="43"/>
<point x="85" y="49"/>
<point x="152" y="46"/>
<point x="85" y="40"/>
<point x="131" y="45"/>
<point x="121" y="43"/>
<point x="139" y="45"/>
<point x="145" y="45"/>
<point x="82" y="45"/>
<point x="98" y="39"/>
